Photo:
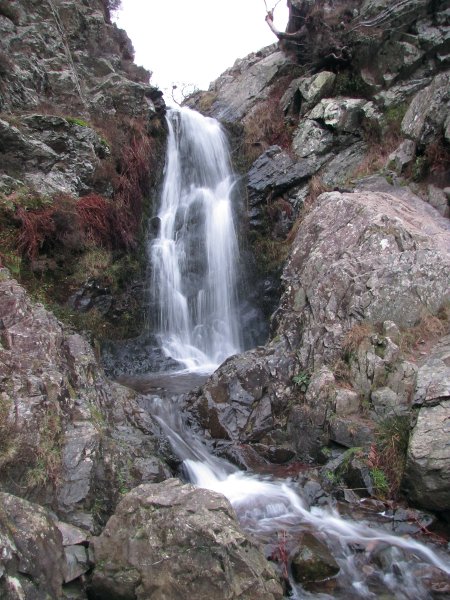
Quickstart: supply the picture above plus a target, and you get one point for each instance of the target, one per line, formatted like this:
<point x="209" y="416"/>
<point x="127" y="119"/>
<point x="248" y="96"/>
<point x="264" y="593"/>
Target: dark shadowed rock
<point x="175" y="541"/>
<point x="313" y="561"/>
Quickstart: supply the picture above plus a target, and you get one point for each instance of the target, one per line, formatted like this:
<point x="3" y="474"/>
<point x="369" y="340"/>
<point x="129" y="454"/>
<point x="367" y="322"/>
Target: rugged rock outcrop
<point x="427" y="479"/>
<point x="382" y="260"/>
<point x="69" y="438"/>
<point x="172" y="540"/>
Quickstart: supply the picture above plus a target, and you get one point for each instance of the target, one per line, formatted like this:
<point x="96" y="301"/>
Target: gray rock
<point x="173" y="540"/>
<point x="351" y="433"/>
<point x="311" y="138"/>
<point x="385" y="404"/>
<point x="427" y="473"/>
<point x="427" y="476"/>
<point x="363" y="265"/>
<point x="439" y="200"/>
<point x="32" y="559"/>
<point x="402" y="156"/>
<point x="347" y="402"/>
<point x="77" y="562"/>
<point x="345" y="115"/>
<point x="248" y="82"/>
<point x="424" y="120"/>
<point x="316" y="87"/>
<point x="72" y="435"/>
<point x="340" y="168"/>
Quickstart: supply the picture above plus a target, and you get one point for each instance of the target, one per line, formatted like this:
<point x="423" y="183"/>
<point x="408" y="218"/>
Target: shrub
<point x="387" y="456"/>
<point x="355" y="336"/>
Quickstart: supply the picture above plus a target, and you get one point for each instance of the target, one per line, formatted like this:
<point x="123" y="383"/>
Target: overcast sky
<point x="194" y="41"/>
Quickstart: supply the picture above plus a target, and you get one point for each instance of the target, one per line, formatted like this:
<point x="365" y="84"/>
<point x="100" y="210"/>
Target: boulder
<point x="426" y="115"/>
<point x="344" y="115"/>
<point x="310" y="138"/>
<point x="248" y="82"/>
<point x="366" y="264"/>
<point x="402" y="157"/>
<point x="32" y="562"/>
<point x="313" y="561"/>
<point x="171" y="540"/>
<point x="427" y="474"/>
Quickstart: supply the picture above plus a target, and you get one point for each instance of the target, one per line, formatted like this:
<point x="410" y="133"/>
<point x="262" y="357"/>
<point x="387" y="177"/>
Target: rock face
<point x="68" y="436"/>
<point x="68" y="60"/>
<point x="427" y="478"/>
<point x="171" y="540"/>
<point x="32" y="561"/>
<point x="382" y="258"/>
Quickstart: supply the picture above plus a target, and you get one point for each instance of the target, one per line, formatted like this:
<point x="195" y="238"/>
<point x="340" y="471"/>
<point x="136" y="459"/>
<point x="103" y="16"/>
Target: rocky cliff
<point x="81" y="150"/>
<point x="353" y="99"/>
<point x="342" y="132"/>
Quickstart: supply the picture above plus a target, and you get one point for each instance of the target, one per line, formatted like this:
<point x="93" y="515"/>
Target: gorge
<point x="329" y="441"/>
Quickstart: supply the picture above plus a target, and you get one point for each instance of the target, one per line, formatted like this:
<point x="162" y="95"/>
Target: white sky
<point x="193" y="41"/>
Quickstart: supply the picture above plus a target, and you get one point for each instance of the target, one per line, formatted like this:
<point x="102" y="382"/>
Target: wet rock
<point x="313" y="561"/>
<point x="424" y="120"/>
<point x="174" y="540"/>
<point x="32" y="560"/>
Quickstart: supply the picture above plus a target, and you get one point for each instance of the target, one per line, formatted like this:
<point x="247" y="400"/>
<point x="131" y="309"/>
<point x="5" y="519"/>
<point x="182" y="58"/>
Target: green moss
<point x="77" y="121"/>
<point x="380" y="482"/>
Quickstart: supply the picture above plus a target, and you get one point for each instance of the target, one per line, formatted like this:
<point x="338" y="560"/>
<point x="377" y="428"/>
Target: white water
<point x="267" y="508"/>
<point x="194" y="261"/>
<point x="195" y="255"/>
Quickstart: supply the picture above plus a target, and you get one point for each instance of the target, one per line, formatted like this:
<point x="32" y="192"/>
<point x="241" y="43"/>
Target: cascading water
<point x="373" y="563"/>
<point x="195" y="255"/>
<point x="194" y="278"/>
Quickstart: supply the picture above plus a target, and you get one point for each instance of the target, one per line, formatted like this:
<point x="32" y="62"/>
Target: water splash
<point x="195" y="255"/>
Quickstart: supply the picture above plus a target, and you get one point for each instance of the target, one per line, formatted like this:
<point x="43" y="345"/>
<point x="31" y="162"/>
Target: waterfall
<point x="194" y="257"/>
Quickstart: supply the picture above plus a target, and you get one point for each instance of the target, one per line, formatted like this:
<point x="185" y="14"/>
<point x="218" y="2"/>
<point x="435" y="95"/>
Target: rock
<point x="248" y="82"/>
<point x="307" y="423"/>
<point x="276" y="171"/>
<point x="344" y="115"/>
<point x="427" y="474"/>
<point x="385" y="404"/>
<point x="340" y="168"/>
<point x="402" y="157"/>
<point x="311" y="138"/>
<point x="72" y="436"/>
<point x="391" y="331"/>
<point x="32" y="560"/>
<point x="347" y="402"/>
<point x="364" y="265"/>
<point x="173" y="540"/>
<point x="424" y="120"/>
<point x="313" y="89"/>
<point x="313" y="561"/>
<point x="439" y="200"/>
<point x="77" y="562"/>
<point x="350" y="433"/>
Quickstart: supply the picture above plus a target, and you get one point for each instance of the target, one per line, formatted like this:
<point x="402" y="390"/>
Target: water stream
<point x="195" y="256"/>
<point x="194" y="277"/>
